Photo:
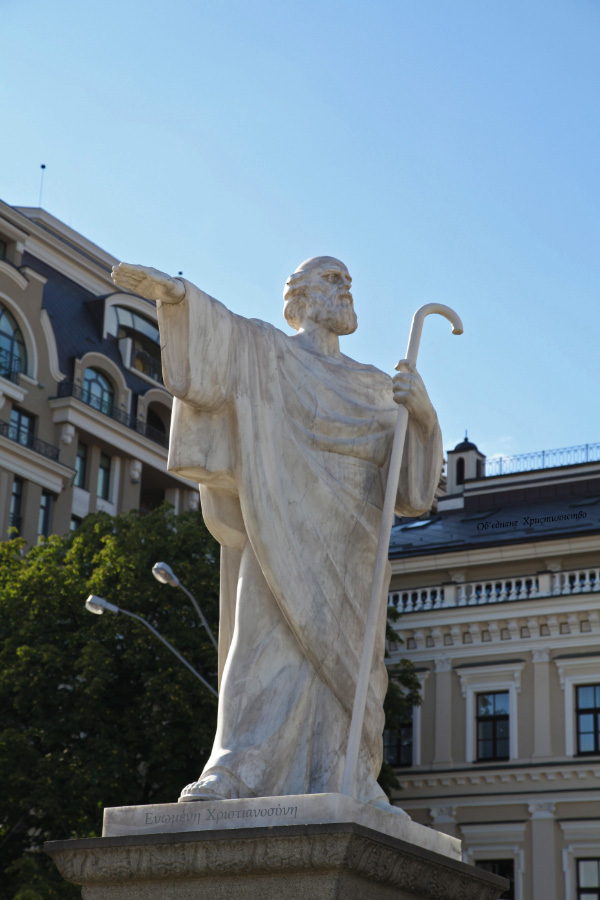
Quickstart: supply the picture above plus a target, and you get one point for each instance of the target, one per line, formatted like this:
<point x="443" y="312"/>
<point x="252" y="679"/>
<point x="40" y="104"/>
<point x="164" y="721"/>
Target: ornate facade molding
<point x="541" y="810"/>
<point x="523" y="779"/>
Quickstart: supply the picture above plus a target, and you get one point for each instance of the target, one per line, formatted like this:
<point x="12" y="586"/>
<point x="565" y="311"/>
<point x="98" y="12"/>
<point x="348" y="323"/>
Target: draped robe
<point x="290" y="449"/>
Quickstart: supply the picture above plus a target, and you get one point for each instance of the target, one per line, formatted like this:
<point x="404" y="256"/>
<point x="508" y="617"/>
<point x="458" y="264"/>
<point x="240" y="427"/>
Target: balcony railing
<point x="26" y="439"/>
<point x="542" y="459"/>
<point x="579" y="581"/>
<point x="496" y="590"/>
<point x="69" y="389"/>
<point x="417" y="600"/>
<point x="10" y="366"/>
<point x="146" y="363"/>
<point x="154" y="434"/>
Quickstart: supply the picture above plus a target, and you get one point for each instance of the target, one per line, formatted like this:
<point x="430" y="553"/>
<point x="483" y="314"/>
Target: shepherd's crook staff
<point x="387" y="520"/>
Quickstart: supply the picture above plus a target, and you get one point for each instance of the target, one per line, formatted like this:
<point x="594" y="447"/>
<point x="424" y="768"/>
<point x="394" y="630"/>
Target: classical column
<point x="542" y="868"/>
<point x="541" y="703"/>
<point x="442" y="754"/>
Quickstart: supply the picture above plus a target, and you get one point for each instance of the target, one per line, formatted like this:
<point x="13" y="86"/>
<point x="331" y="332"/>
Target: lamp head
<point x="165" y="574"/>
<point x="97" y="605"/>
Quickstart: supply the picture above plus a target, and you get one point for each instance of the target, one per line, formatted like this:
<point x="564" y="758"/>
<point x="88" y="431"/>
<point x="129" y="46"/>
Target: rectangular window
<point x="74" y="523"/>
<point x="588" y="718"/>
<point x="588" y="879"/>
<point x="3" y="246"/>
<point x="398" y="745"/>
<point x="21" y="427"/>
<point x="503" y="867"/>
<point x="104" y="476"/>
<point x="80" y="465"/>
<point x="44" y="515"/>
<point x="16" y="500"/>
<point x="492" y="726"/>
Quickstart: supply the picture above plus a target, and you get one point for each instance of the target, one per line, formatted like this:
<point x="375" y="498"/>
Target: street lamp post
<point x="98" y="605"/>
<point x="165" y="574"/>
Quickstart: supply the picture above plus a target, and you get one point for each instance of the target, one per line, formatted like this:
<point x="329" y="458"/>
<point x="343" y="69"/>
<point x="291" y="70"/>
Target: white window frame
<point x="574" y="673"/>
<point x="485" y="680"/>
<point x="496" y="841"/>
<point x="582" y="840"/>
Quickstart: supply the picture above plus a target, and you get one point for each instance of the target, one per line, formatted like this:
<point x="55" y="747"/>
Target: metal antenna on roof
<point x="42" y="167"/>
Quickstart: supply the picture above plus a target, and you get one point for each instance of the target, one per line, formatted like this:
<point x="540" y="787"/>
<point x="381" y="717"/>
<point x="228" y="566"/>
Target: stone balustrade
<point x="577" y="581"/>
<point x="496" y="590"/>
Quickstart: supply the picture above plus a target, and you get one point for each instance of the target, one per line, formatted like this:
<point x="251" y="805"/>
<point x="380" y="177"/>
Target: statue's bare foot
<point x="210" y="787"/>
<point x="383" y="804"/>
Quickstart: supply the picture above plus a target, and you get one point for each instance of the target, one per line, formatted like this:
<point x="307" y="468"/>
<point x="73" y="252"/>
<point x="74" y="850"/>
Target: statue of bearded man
<point x="289" y="441"/>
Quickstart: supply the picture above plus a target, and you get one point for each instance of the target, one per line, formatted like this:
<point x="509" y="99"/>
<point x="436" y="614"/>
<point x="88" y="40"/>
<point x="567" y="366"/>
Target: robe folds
<point x="290" y="449"/>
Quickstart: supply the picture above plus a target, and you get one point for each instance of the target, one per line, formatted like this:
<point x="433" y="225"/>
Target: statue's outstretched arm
<point x="148" y="282"/>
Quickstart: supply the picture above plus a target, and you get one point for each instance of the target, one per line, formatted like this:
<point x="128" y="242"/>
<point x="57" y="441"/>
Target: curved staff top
<point x="387" y="520"/>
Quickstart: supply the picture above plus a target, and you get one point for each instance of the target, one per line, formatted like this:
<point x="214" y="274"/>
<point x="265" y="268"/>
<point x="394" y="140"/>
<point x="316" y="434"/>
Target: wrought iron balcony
<point x="542" y="459"/>
<point x="147" y="364"/>
<point x="159" y="437"/>
<point x="69" y="389"/>
<point x="26" y="439"/>
<point x="10" y="366"/>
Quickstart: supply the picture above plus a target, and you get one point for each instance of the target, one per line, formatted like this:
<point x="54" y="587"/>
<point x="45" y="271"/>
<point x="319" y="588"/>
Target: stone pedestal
<point x="264" y="812"/>
<point x="344" y="861"/>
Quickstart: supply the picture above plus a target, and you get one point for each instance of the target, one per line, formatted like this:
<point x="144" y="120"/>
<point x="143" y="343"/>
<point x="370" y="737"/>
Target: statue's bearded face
<point x="329" y="300"/>
<point x="320" y="290"/>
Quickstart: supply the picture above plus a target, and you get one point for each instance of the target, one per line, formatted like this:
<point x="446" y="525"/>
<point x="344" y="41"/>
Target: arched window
<point x="124" y="322"/>
<point x="13" y="355"/>
<point x="98" y="391"/>
<point x="156" y="427"/>
<point x="460" y="470"/>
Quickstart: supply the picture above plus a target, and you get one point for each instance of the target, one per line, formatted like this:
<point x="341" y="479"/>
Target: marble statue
<point x="289" y="441"/>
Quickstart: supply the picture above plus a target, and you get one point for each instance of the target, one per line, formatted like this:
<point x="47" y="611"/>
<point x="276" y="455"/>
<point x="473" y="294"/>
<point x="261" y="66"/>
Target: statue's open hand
<point x="410" y="391"/>
<point x="148" y="282"/>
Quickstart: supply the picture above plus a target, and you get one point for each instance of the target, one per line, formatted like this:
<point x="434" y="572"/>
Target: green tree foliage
<point x="94" y="710"/>
<point x="404" y="692"/>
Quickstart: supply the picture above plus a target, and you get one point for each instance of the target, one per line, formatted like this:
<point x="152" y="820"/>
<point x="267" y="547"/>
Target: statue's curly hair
<point x="294" y="298"/>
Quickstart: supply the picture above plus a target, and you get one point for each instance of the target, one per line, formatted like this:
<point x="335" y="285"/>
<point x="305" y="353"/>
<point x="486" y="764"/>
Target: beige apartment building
<point x="499" y="592"/>
<point x="84" y="415"/>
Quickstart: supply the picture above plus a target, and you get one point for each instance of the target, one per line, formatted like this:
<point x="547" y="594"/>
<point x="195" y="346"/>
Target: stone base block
<point x="342" y="861"/>
<point x="264" y="812"/>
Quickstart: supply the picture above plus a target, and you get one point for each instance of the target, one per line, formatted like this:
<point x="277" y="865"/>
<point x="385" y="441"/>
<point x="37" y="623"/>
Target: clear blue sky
<point x="446" y="151"/>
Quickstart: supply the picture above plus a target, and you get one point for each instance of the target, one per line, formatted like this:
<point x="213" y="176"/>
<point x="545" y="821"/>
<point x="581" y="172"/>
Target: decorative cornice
<point x="557" y="623"/>
<point x="563" y="547"/>
<point x="574" y="666"/>
<point x="522" y="778"/>
<point x="494" y="671"/>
